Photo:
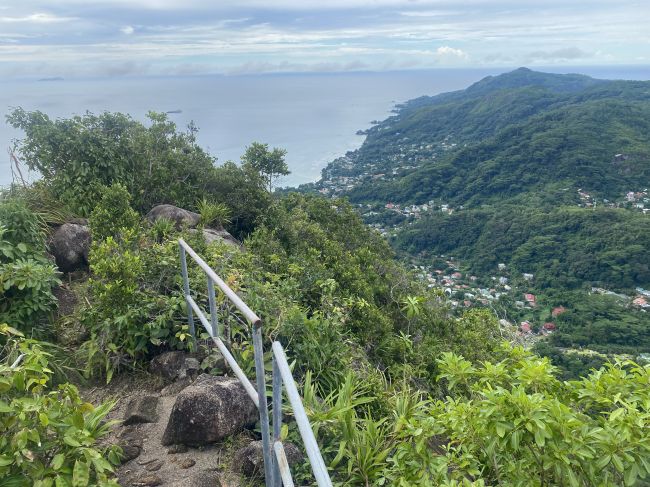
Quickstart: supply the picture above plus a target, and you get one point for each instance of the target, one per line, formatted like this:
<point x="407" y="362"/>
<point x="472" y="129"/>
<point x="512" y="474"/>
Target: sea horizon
<point x="314" y="116"/>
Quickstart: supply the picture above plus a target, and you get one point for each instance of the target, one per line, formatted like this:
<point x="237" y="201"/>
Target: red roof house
<point x="558" y="311"/>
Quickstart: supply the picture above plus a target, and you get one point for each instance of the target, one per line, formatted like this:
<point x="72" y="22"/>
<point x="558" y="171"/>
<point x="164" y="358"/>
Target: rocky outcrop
<point x="209" y="410"/>
<point x="250" y="459"/>
<point x="180" y="217"/>
<point x="70" y="245"/>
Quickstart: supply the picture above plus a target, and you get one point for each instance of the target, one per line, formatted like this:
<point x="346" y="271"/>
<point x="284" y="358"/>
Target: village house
<point x="557" y="311"/>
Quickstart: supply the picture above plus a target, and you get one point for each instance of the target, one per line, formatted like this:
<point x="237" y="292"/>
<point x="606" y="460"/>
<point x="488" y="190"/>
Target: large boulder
<point x="70" y="245"/>
<point x="209" y="410"/>
<point x="180" y="217"/>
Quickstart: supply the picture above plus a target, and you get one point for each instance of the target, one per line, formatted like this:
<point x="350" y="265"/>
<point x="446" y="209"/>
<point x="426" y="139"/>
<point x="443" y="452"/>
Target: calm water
<point x="313" y="116"/>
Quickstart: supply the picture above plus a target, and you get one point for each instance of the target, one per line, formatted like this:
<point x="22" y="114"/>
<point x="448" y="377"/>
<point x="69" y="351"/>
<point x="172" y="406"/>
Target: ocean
<point x="314" y="117"/>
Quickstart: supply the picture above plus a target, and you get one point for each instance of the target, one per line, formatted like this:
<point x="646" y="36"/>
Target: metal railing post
<point x="213" y="309"/>
<point x="186" y="290"/>
<point x="263" y="404"/>
<point x="311" y="446"/>
<point x="277" y="419"/>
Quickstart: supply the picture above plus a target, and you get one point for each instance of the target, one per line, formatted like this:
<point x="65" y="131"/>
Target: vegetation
<point x="533" y="170"/>
<point x="26" y="275"/>
<point x="400" y="390"/>
<point x="48" y="434"/>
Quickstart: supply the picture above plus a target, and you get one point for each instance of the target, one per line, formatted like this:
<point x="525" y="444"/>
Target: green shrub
<point x="26" y="276"/>
<point x="48" y="435"/>
<point x="113" y="213"/>
<point x="135" y="302"/>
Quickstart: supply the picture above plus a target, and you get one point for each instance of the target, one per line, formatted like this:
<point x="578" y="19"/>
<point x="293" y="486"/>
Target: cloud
<point x="446" y="51"/>
<point x="564" y="54"/>
<point x="37" y="18"/>
<point x="168" y="36"/>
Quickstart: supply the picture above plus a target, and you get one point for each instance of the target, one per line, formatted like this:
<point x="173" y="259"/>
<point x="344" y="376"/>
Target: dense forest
<point x="399" y="390"/>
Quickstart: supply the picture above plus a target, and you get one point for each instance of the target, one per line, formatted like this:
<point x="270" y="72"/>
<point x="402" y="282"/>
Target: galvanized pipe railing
<point x="276" y="466"/>
<point x="258" y="396"/>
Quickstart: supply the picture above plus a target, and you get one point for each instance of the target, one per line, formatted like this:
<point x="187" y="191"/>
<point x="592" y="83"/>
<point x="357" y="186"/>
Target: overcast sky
<point x="135" y="37"/>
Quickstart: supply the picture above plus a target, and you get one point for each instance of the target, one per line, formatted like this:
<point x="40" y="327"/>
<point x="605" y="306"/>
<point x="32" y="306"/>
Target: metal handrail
<point x="276" y="466"/>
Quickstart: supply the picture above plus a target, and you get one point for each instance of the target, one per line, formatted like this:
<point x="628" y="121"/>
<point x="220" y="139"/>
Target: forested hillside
<point x="546" y="175"/>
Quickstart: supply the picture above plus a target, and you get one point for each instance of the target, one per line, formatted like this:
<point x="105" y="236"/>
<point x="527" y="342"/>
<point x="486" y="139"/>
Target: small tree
<point x="269" y="163"/>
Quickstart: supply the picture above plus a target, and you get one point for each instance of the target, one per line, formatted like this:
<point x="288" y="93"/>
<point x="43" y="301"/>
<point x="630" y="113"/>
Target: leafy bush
<point x="48" y="435"/>
<point x="26" y="276"/>
<point x="135" y="303"/>
<point x="113" y="213"/>
<point x="514" y="423"/>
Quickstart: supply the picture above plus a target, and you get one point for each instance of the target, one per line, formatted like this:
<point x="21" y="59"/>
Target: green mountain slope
<point x="545" y="173"/>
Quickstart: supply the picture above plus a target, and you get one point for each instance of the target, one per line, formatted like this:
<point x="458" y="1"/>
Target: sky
<point x="86" y="38"/>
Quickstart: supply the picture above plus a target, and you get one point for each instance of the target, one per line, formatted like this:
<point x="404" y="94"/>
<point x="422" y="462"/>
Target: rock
<point x="141" y="409"/>
<point x="70" y="245"/>
<point x="192" y="367"/>
<point x="250" y="460"/>
<point x="130" y="452"/>
<point x="175" y="387"/>
<point x="211" y="409"/>
<point x="211" y="235"/>
<point x="130" y="442"/>
<point x="154" y="466"/>
<point x="175" y="365"/>
<point x="174" y="449"/>
<point x="168" y="365"/>
<point x="145" y="480"/>
<point x="187" y="463"/>
<point x="179" y="216"/>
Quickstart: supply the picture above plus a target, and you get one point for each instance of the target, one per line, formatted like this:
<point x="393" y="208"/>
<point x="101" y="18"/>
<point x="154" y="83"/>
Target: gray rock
<point x="168" y="365"/>
<point x="180" y="217"/>
<point x="146" y="480"/>
<point x="130" y="440"/>
<point x="211" y="235"/>
<point x="154" y="466"/>
<point x="249" y="460"/>
<point x="211" y="409"/>
<point x="141" y="409"/>
<point x="70" y="245"/>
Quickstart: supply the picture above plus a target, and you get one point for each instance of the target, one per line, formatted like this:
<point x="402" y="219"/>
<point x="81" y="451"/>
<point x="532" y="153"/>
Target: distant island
<point x="51" y="78"/>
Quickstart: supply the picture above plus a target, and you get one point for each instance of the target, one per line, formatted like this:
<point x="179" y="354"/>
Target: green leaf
<point x="57" y="461"/>
<point x="6" y="460"/>
<point x="80" y="474"/>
